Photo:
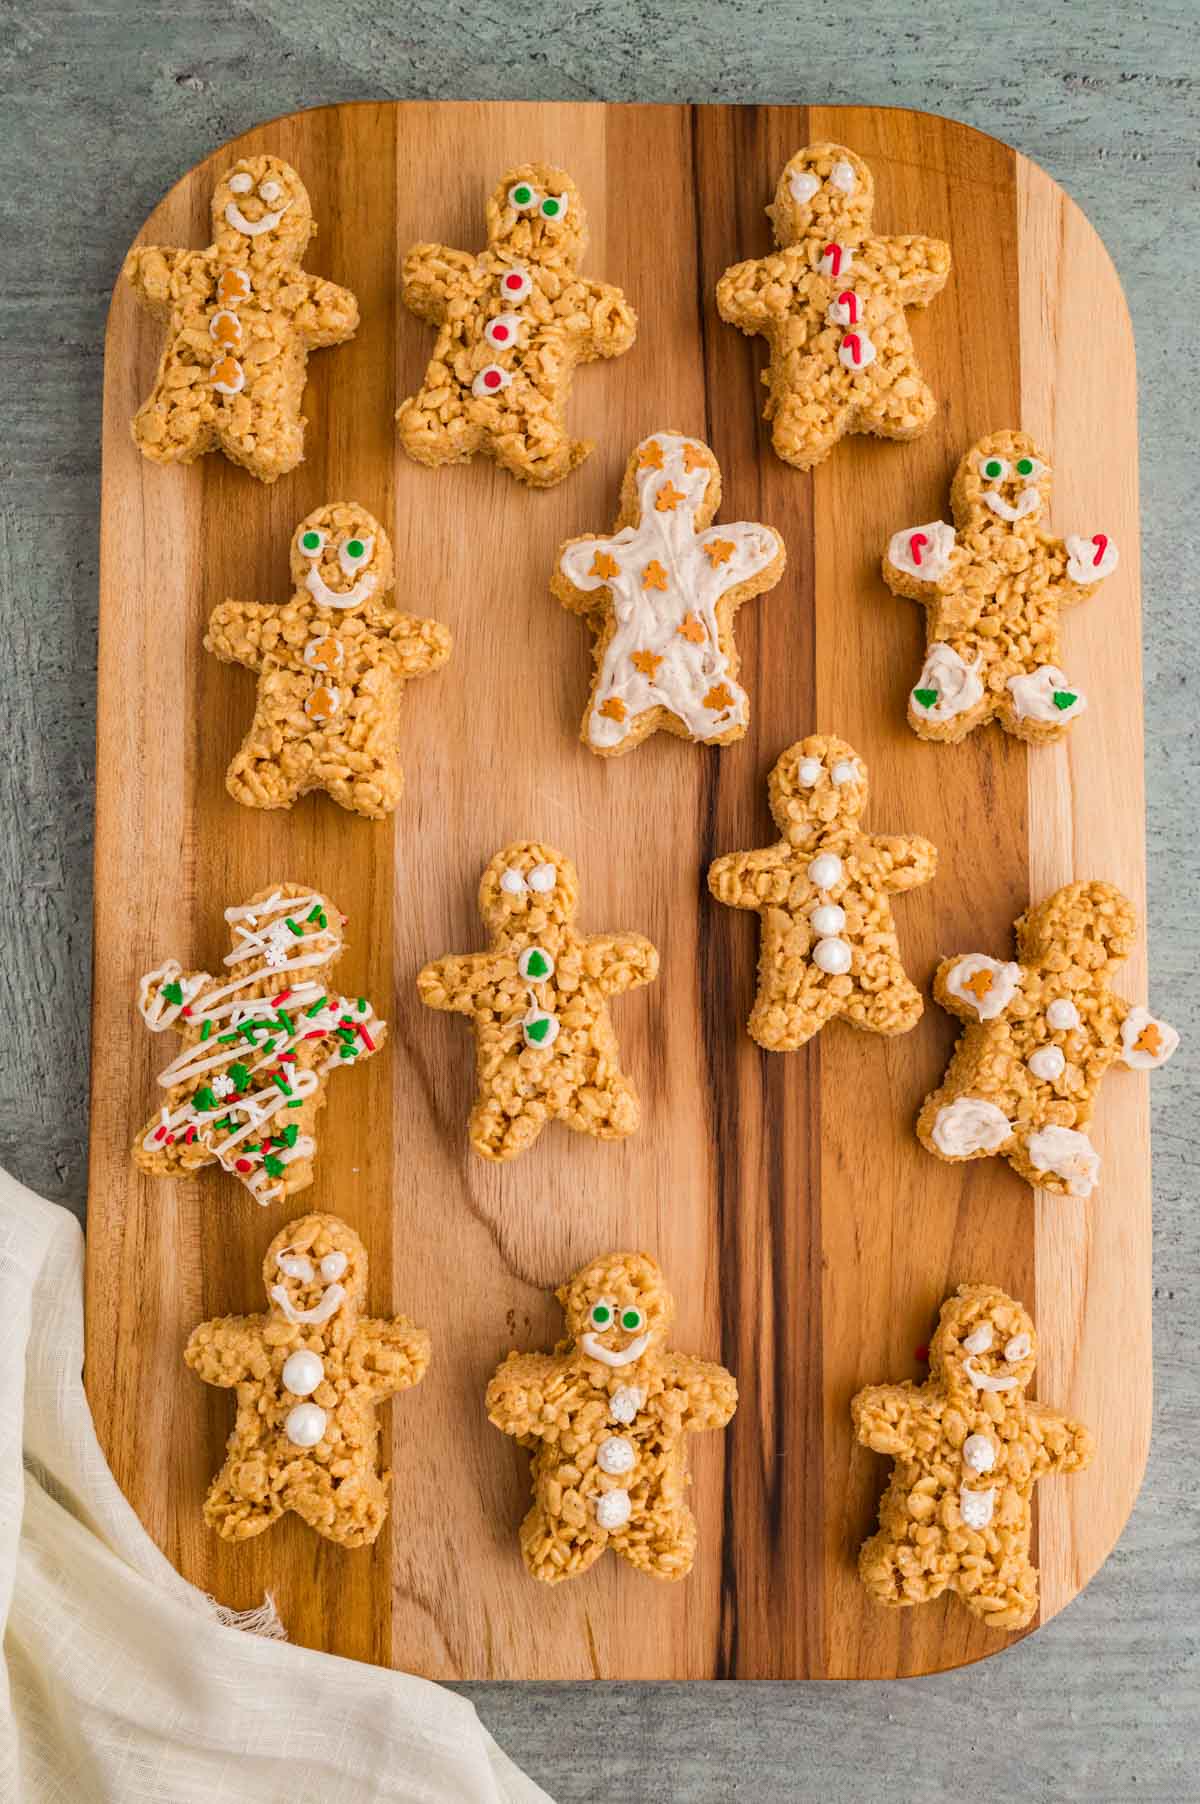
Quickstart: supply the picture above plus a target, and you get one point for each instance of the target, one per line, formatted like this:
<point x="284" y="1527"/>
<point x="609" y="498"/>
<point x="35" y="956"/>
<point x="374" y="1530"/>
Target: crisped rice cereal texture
<point x="956" y="1515"/>
<point x="538" y="998"/>
<point x="332" y="664"/>
<point x="513" y="321"/>
<point x="822" y="892"/>
<point x="606" y="1416"/>
<point x="1040" y="1034"/>
<point x="992" y="588"/>
<point x="241" y="318"/>
<point x="349" y="1364"/>
<point x="830" y="301"/>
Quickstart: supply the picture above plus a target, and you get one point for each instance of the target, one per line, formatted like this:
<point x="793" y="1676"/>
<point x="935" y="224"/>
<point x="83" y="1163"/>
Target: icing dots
<point x="303" y="1372"/>
<point x="539" y="1028"/>
<point x="947" y="686"/>
<point x="825" y="870"/>
<point x="984" y="984"/>
<point x="1048" y="1063"/>
<point x="856" y="352"/>
<point x="843" y="178"/>
<point x="1062" y="1015"/>
<point x="977" y="1507"/>
<point x="833" y="956"/>
<point x="1090" y="560"/>
<point x="613" y="1510"/>
<point x="980" y="1339"/>
<point x="1046" y="695"/>
<point x="625" y="1403"/>
<point x="535" y="964"/>
<point x="523" y="197"/>
<point x="305" y="1425"/>
<point x="491" y="380"/>
<point x="516" y="284"/>
<point x="969" y="1126"/>
<point x="808" y="772"/>
<point x="923" y="552"/>
<point x="1067" y="1154"/>
<point x="616" y="1455"/>
<point x="979" y="1453"/>
<point x="835" y="260"/>
<point x="503" y="332"/>
<point x="323" y="702"/>
<point x="828" y="919"/>
<point x="1146" y="1042"/>
<point x="803" y="185"/>
<point x="227" y="376"/>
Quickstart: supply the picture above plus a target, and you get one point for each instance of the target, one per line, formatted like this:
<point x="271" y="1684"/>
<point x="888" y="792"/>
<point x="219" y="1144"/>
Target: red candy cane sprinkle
<point x="1100" y="541"/>
<point x="855" y="342"/>
<point x="914" y="545"/>
<point x="849" y="300"/>
<point x="834" y="253"/>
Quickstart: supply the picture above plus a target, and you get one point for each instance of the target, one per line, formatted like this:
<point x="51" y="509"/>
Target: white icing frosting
<point x="326" y="597"/>
<point x="1018" y="1348"/>
<point x="958" y="684"/>
<point x="616" y="1455"/>
<point x="983" y="1381"/>
<point x="296" y="1265"/>
<point x="305" y="1425"/>
<point x="331" y="1302"/>
<point x="922" y="551"/>
<point x="856" y="351"/>
<point x="969" y="1125"/>
<point x="270" y="191"/>
<point x="808" y="772"/>
<point x="253" y="227"/>
<point x="491" y="380"/>
<point x="595" y="1348"/>
<point x="825" y="870"/>
<point x="666" y="580"/>
<point x="241" y="183"/>
<point x="844" y="771"/>
<point x="832" y="956"/>
<point x="542" y="878"/>
<point x="845" y="309"/>
<point x="302" y="1372"/>
<point x="997" y="982"/>
<point x="1028" y="501"/>
<point x="977" y="1507"/>
<point x="516" y="283"/>
<point x="842" y="177"/>
<point x="1068" y="1154"/>
<point x="1090" y="560"/>
<point x="225" y="326"/>
<point x="333" y="1266"/>
<point x="350" y="564"/>
<point x="1048" y="1063"/>
<point x="803" y="184"/>
<point x="625" y="1402"/>
<point x="828" y="919"/>
<point x="233" y="381"/>
<point x="323" y="650"/>
<point x="532" y="1020"/>
<point x="1033" y="695"/>
<point x="836" y="260"/>
<point x="613" y="1509"/>
<point x="978" y="1453"/>
<point x="512" y="882"/>
<point x="1062" y="1015"/>
<point x="1143" y="1058"/>
<point x="980" y="1339"/>
<point x="504" y="331"/>
<point x="531" y="956"/>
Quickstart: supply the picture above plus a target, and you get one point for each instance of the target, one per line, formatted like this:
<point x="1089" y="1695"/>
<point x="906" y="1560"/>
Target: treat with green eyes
<point x="993" y="585"/>
<point x="606" y="1417"/>
<point x="332" y="664"/>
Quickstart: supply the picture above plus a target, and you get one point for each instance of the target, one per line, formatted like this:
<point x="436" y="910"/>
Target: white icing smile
<point x="594" y="1347"/>
<point x="326" y="597"/>
<point x="1027" y="502"/>
<point x="253" y="227"/>
<point x="320" y="1312"/>
<point x="983" y="1381"/>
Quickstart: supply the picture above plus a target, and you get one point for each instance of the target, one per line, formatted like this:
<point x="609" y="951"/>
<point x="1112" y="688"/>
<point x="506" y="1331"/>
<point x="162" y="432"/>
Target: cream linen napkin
<point x="120" y="1681"/>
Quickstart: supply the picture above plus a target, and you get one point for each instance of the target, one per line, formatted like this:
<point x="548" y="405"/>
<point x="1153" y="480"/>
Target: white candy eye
<point x="554" y="206"/>
<point x="842" y="177"/>
<point x="803" y="184"/>
<point x="980" y="1339"/>
<point x="542" y="878"/>
<point x="994" y="469"/>
<point x="241" y="183"/>
<point x="809" y="772"/>
<point x="295" y="1265"/>
<point x="353" y="553"/>
<point x="1018" y="1348"/>
<point x="270" y="191"/>
<point x="513" y="882"/>
<point x="1029" y="468"/>
<point x="332" y="1266"/>
<point x="312" y="542"/>
<point x="523" y="196"/>
<point x="845" y="772"/>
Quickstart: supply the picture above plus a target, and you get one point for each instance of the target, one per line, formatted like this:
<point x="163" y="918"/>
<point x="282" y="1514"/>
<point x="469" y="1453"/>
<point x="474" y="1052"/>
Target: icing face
<point x="825" y="190"/>
<point x="818" y="786"/>
<point x="342" y="556"/>
<point x="262" y="201"/>
<point x="525" y="888"/>
<point x="535" y="212"/>
<point x="617" y="1310"/>
<point x="1004" y="478"/>
<point x="315" y="1273"/>
<point x="992" y="1352"/>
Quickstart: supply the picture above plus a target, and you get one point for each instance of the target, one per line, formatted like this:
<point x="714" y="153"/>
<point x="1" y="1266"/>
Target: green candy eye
<point x="312" y="542"/>
<point x="355" y="549"/>
<point x="554" y="206"/>
<point x="602" y="1315"/>
<point x="632" y="1320"/>
<point x="522" y="196"/>
<point x="994" y="468"/>
<point x="1025" y="466"/>
<point x="354" y="553"/>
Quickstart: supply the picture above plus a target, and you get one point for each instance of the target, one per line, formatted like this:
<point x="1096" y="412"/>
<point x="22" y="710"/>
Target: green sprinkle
<point x="296" y="1105"/>
<point x="224" y="1127"/>
<point x="284" y="1021"/>
<point x="273" y="1166"/>
<point x="290" y="1135"/>
<point x="349" y="1052"/>
<point x="204" y="1100"/>
<point x="362" y="1005"/>
<point x="315" y="914"/>
<point x="240" y="1074"/>
<point x="298" y="931"/>
<point x="315" y="1009"/>
<point x="224" y="1039"/>
<point x="277" y="1077"/>
<point x="206" y="1030"/>
<point x="173" y="992"/>
<point x="270" y="1046"/>
<point x="926" y="697"/>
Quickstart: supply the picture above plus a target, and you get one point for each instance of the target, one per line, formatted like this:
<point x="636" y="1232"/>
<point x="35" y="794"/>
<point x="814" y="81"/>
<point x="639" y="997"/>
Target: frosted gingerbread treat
<point x="606" y="1416"/>
<point x="538" y="998"/>
<point x="309" y="1376"/>
<point x="969" y="1447"/>
<point x="241" y="318"/>
<point x="823" y="892"/>
<point x="260" y="1043"/>
<point x="660" y="595"/>
<point x="992" y="586"/>
<point x="513" y="321"/>
<point x="332" y="664"/>
<point x="830" y="302"/>
<point x="1040" y="1035"/>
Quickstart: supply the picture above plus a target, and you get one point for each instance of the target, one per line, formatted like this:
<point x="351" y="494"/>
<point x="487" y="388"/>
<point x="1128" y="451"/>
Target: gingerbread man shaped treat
<point x="829" y="944"/>
<point x="259" y="1045"/>
<point x="969" y="1447"/>
<point x="992" y="586"/>
<point x="1040" y="1035"/>
<point x="309" y="1376"/>
<point x="513" y="321"/>
<point x="332" y="666"/>
<point x="660" y="595"/>
<point x="545" y="1047"/>
<point x="241" y="318"/>
<point x="606" y="1416"/>
<point x="830" y="302"/>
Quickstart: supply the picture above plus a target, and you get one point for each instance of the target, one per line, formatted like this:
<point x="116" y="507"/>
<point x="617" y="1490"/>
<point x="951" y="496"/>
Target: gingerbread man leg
<point x="352" y="1513"/>
<point x="809" y="418"/>
<point x="271" y="768"/>
<point x="544" y="453"/>
<point x="240" y="1495"/>
<point x="434" y="427"/>
<point x="168" y="424"/>
<point x="610" y="1113"/>
<point x="667" y="1553"/>
<point x="901" y="410"/>
<point x="787" y="1014"/>
<point x="1004" y="1599"/>
<point x="373" y="790"/>
<point x="267" y="433"/>
<point x="884" y="1566"/>
<point x="554" y="1550"/>
<point x="894" y="1008"/>
<point x="498" y="1135"/>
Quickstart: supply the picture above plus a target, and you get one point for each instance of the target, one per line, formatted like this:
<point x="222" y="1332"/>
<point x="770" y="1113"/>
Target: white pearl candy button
<point x="616" y="1455"/>
<point x="825" y="870"/>
<point x="1062" y="1015"/>
<point x="305" y="1425"/>
<point x="302" y="1373"/>
<point x="828" y="919"/>
<point x="1047" y="1062"/>
<point x="613" y="1509"/>
<point x="978" y="1453"/>
<point x="833" y="957"/>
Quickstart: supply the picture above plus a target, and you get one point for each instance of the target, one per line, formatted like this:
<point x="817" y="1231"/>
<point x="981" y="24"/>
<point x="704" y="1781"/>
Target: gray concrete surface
<point x="107" y="102"/>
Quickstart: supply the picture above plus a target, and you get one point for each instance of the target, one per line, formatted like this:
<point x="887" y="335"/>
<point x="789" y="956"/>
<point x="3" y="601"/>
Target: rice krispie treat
<point x="1040" y="1035"/>
<point x="992" y="586"/>
<point x="260" y="1042"/>
<point x="513" y="321"/>
<point x="241" y="318"/>
<point x="969" y="1447"/>
<point x="332" y="663"/>
<point x="545" y="1047"/>
<point x="660" y="595"/>
<point x="830" y="301"/>
<point x="309" y="1376"/>
<point x="829" y="943"/>
<point x="606" y="1416"/>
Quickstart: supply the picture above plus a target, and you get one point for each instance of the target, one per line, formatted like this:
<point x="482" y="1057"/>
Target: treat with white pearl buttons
<point x="829" y="945"/>
<point x="309" y="1375"/>
<point x="969" y="1446"/>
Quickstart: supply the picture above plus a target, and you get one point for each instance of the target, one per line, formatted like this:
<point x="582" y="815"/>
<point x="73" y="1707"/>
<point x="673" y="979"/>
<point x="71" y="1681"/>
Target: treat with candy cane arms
<point x="260" y="1042"/>
<point x="969" y="1446"/>
<point x="1040" y="1035"/>
<point x="992" y="586"/>
<point x="513" y="322"/>
<point x="309" y="1376"/>
<point x="830" y="301"/>
<point x="829" y="944"/>
<point x="606" y="1417"/>
<point x="660" y="595"/>
<point x="538" y="998"/>
<point x="332" y="664"/>
<point x="241" y="317"/>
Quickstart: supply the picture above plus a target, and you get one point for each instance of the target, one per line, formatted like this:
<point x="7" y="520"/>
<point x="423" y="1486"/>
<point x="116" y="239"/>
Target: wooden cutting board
<point x="807" y="1237"/>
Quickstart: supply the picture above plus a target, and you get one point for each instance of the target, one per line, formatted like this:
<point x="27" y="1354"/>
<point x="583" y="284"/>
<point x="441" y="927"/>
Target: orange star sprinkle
<point x="604" y="565"/>
<point x="718" y="698"/>
<point x="692" y="629"/>
<point x="719" y="551"/>
<point x="650" y="456"/>
<point x="693" y="457"/>
<point x="647" y="662"/>
<point x="979" y="984"/>
<point x="668" y="498"/>
<point x="654" y="576"/>
<point x="1149" y="1040"/>
<point x="614" y="708"/>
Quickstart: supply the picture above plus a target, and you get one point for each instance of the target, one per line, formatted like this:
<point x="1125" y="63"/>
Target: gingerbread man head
<point x="341" y="556"/>
<point x="288" y="929"/>
<point x="984" y="1343"/>
<point x="261" y="207"/>
<point x="316" y="1269"/>
<point x="527" y="888"/>
<point x="1086" y="926"/>
<point x="617" y="1309"/>
<point x="1003" y="477"/>
<point x="535" y="211"/>
<point x="824" y="191"/>
<point x="817" y="787"/>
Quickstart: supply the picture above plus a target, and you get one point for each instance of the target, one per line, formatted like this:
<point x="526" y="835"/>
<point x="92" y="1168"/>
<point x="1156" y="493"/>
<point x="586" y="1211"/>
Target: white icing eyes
<point x="528" y="199"/>
<point x="241" y="183"/>
<point x="980" y="1339"/>
<point x="542" y="878"/>
<point x="809" y="772"/>
<point x="270" y="191"/>
<point x="845" y="772"/>
<point x="1029" y="468"/>
<point x="1017" y="1349"/>
<point x="602" y="1316"/>
<point x="513" y="882"/>
<point x="332" y="1266"/>
<point x="295" y="1265"/>
<point x="994" y="469"/>
<point x="354" y="553"/>
<point x="843" y="178"/>
<point x="312" y="542"/>
<point x="803" y="184"/>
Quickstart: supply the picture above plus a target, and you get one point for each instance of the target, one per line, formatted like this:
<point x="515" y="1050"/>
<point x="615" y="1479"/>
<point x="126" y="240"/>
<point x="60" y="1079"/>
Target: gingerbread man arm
<point x="431" y="275"/>
<point x="908" y="860"/>
<point x="328" y="314"/>
<point x="885" y="1418"/>
<point x="608" y="322"/>
<point x="158" y="1010"/>
<point x="392" y="1355"/>
<point x="228" y="1351"/>
<point x="923" y="265"/>
<point x="455" y="981"/>
<point x="964" y="1007"/>
<point x="1062" y="1444"/>
<point x="737" y="879"/>
<point x="711" y="1391"/>
<point x="516" y="1395"/>
<point x="626" y="960"/>
<point x="152" y="268"/>
<point x="235" y="632"/>
<point x="753" y="293"/>
<point x="414" y="646"/>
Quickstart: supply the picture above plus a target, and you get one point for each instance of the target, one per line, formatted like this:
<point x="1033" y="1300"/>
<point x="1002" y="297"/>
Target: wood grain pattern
<point x="807" y="1236"/>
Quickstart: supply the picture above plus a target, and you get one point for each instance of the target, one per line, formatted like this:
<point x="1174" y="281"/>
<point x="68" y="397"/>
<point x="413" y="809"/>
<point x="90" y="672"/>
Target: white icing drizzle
<point x="1068" y="1154"/>
<point x="998" y="989"/>
<point x="977" y="1507"/>
<point x="929" y="560"/>
<point x="1047" y="1063"/>
<point x="980" y="1339"/>
<point x="331" y="1302"/>
<point x="253" y="228"/>
<point x="1089" y="562"/>
<point x="983" y="1381"/>
<point x="1062" y="1015"/>
<point x="958" y="684"/>
<point x="970" y="1125"/>
<point x="1018" y="1348"/>
<point x="326" y="597"/>
<point x="595" y="1348"/>
<point x="1029" y="501"/>
<point x="1143" y="1058"/>
<point x="1033" y="695"/>
<point x="665" y="588"/>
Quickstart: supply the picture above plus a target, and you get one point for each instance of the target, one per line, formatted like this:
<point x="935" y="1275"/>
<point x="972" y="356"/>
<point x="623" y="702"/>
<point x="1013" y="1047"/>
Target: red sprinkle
<point x="186" y="1010"/>
<point x="170" y="1139"/>
<point x="190" y="1135"/>
<point x="242" y="1165"/>
<point x="282" y="997"/>
<point x="855" y="342"/>
<point x="318" y="1035"/>
<point x="834" y="253"/>
<point x="161" y="1134"/>
<point x="367" y="1041"/>
<point x="914" y="544"/>
<point x="849" y="300"/>
<point x="1100" y="541"/>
